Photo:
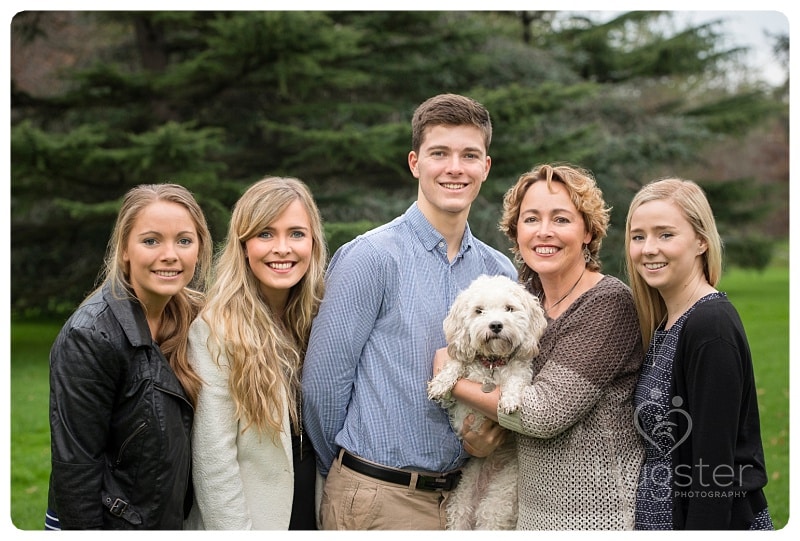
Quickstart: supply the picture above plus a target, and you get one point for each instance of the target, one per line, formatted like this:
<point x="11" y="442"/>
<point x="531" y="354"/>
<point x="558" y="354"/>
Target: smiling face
<point x="161" y="252"/>
<point x="664" y="247"/>
<point x="280" y="255"/>
<point x="550" y="230"/>
<point x="451" y="166"/>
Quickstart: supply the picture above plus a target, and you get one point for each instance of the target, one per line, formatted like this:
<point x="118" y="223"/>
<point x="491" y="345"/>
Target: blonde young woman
<point x="121" y="388"/>
<point x="706" y="471"/>
<point x="252" y="468"/>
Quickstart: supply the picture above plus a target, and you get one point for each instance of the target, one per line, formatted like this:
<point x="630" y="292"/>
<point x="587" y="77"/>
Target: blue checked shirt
<point x="372" y="345"/>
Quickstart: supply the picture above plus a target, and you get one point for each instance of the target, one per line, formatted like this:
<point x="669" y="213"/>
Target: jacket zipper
<point x="125" y="443"/>
<point x="143" y="426"/>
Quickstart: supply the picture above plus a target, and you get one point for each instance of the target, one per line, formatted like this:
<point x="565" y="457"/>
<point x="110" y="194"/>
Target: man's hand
<point x="439" y="360"/>
<point x="484" y="442"/>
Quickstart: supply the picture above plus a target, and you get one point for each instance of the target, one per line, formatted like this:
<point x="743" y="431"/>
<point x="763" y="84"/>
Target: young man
<point x="389" y="453"/>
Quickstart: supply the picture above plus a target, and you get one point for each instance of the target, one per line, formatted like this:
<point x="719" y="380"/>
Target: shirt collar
<point x="428" y="234"/>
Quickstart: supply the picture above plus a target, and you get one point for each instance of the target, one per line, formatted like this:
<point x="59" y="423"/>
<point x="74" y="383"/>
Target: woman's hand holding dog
<point x="490" y="435"/>
<point x="483" y="442"/>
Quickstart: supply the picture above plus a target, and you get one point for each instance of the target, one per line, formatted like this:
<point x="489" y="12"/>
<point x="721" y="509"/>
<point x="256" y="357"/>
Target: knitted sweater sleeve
<point x="586" y="350"/>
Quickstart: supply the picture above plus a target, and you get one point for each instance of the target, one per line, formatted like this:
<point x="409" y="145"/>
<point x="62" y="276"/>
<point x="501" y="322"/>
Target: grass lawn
<point x="30" y="428"/>
<point x="761" y="298"/>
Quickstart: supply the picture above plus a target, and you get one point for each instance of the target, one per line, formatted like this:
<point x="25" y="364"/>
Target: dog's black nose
<point x="496" y="326"/>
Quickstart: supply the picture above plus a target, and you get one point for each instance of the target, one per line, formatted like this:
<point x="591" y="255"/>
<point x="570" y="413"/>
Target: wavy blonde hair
<point x="692" y="201"/>
<point x="584" y="194"/>
<point x="265" y="353"/>
<point x="182" y="308"/>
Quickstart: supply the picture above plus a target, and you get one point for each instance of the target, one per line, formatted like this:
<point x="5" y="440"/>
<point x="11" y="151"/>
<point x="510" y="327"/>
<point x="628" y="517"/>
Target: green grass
<point x="30" y="427"/>
<point x="761" y="298"/>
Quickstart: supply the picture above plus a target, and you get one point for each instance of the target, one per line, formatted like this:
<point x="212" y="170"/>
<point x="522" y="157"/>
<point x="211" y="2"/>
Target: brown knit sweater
<point x="579" y="453"/>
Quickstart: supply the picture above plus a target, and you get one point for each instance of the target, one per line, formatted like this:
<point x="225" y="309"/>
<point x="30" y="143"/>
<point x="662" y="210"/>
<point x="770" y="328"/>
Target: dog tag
<point x="488" y="386"/>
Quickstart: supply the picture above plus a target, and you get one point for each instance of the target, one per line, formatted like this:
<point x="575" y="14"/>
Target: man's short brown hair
<point x="450" y="110"/>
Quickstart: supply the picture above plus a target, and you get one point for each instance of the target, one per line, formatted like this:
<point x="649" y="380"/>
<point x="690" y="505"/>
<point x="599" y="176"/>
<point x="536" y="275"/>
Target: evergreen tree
<point x="215" y="100"/>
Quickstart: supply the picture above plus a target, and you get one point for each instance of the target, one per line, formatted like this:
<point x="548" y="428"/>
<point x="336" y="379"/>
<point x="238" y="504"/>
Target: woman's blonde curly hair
<point x="264" y="350"/>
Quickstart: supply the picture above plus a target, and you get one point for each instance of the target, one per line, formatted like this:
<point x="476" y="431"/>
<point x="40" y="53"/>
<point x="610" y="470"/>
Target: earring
<point x="587" y="255"/>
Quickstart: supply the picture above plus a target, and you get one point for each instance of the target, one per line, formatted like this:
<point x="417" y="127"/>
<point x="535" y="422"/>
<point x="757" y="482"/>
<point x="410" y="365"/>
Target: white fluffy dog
<point x="492" y="331"/>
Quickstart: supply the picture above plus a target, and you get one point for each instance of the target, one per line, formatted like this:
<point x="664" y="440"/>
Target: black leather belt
<point x="445" y="481"/>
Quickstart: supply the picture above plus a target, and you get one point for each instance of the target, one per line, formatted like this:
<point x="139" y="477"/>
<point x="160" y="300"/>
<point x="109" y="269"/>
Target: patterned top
<point x="579" y="453"/>
<point x="666" y="426"/>
<point x="653" y="404"/>
<point x="371" y="348"/>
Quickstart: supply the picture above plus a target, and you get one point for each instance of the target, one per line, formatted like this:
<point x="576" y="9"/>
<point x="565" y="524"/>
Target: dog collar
<point x="491" y="362"/>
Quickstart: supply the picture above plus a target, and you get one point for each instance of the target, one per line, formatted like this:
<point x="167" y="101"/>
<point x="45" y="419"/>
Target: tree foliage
<point x="216" y="100"/>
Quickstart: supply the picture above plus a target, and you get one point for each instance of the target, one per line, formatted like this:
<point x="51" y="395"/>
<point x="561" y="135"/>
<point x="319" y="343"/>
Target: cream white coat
<point x="241" y="481"/>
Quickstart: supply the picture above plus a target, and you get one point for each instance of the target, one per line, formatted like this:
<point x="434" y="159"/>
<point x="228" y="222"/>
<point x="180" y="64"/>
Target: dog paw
<point x="437" y="390"/>
<point x="508" y="404"/>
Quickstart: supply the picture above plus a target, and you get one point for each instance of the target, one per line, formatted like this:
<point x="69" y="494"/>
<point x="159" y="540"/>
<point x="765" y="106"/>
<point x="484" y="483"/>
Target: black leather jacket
<point x="120" y="423"/>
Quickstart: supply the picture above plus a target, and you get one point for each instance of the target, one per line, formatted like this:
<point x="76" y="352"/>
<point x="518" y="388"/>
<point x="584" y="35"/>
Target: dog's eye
<point x="479" y="310"/>
<point x="509" y="308"/>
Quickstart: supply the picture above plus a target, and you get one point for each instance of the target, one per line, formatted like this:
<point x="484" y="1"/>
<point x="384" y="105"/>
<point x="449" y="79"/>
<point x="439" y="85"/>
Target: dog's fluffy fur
<point x="492" y="331"/>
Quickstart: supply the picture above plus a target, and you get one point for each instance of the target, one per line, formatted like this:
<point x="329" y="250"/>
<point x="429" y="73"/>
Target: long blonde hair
<point x="264" y="353"/>
<point x="183" y="307"/>
<point x="584" y="194"/>
<point x="692" y="201"/>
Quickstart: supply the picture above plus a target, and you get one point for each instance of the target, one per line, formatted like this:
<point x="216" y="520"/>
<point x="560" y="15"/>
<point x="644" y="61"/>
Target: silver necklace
<point x="565" y="294"/>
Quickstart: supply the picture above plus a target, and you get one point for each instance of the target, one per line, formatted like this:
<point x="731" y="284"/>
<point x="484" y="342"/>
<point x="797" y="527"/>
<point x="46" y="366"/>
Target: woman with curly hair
<point x="252" y="469"/>
<point x="579" y="454"/>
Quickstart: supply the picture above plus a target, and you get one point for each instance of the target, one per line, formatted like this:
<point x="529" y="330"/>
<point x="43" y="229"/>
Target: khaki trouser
<point x="352" y="501"/>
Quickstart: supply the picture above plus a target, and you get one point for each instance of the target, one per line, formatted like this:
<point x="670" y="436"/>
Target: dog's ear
<point x="536" y="320"/>
<point x="456" y="330"/>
